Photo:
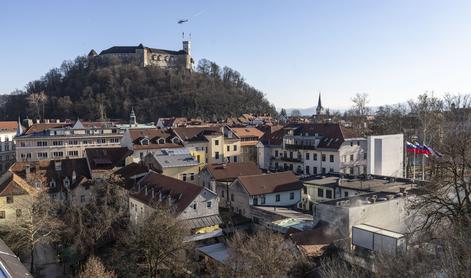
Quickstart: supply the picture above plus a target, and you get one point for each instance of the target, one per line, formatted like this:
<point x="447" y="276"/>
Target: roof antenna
<point x="183" y="35"/>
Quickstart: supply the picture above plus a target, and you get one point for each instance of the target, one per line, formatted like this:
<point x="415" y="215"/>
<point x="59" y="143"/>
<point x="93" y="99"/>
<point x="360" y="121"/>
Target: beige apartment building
<point x="45" y="141"/>
<point x="249" y="137"/>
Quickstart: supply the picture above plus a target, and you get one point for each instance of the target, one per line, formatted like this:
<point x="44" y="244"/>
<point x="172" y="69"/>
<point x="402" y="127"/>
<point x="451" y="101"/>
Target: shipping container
<point x="378" y="239"/>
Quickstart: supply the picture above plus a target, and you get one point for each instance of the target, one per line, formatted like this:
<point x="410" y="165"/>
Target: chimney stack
<point x="58" y="166"/>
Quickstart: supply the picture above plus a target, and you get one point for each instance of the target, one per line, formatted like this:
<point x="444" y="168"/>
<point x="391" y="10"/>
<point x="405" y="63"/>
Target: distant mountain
<point x="309" y="111"/>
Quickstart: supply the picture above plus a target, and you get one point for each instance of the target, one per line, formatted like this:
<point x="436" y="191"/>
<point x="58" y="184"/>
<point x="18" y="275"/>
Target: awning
<point x="205" y="221"/>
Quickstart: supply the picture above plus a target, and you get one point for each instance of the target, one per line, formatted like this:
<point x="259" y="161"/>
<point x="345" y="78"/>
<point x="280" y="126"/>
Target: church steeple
<point x="132" y="118"/>
<point x="319" y="109"/>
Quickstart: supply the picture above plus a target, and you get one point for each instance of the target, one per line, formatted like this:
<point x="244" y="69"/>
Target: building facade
<point x="147" y="56"/>
<point x="8" y="131"/>
<point x="312" y="149"/>
<point x="209" y="145"/>
<point x="248" y="137"/>
<point x="281" y="189"/>
<point x="191" y="203"/>
<point x="175" y="163"/>
<point x="46" y="141"/>
<point x="386" y="155"/>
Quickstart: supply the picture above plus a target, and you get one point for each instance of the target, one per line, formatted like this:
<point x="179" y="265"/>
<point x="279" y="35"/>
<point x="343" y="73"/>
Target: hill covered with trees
<point x="95" y="89"/>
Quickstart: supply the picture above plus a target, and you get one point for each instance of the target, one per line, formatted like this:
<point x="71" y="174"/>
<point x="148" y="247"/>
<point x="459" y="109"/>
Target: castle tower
<point x="132" y="118"/>
<point x="188" y="59"/>
<point x="187" y="47"/>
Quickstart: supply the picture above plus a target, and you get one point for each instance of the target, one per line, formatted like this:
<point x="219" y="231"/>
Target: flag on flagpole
<point x="411" y="148"/>
<point x="433" y="152"/>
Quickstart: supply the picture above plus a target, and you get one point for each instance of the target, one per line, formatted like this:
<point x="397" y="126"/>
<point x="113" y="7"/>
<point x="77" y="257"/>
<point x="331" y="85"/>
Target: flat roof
<point x="374" y="183"/>
<point x="378" y="230"/>
<point x="285" y="212"/>
<point x="364" y="199"/>
<point x="218" y="251"/>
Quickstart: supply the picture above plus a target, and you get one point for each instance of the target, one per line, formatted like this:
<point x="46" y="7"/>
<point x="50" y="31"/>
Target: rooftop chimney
<point x="58" y="166"/>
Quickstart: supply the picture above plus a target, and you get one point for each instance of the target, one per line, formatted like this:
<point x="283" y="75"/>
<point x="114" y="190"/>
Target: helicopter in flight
<point x="181" y="21"/>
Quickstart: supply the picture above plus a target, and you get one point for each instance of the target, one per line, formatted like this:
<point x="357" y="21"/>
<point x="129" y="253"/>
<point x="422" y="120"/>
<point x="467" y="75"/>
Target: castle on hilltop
<point x="146" y="56"/>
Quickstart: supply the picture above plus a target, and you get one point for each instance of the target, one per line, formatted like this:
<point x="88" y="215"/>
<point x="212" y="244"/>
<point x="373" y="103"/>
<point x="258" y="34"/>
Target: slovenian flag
<point x="411" y="148"/>
<point x="433" y="152"/>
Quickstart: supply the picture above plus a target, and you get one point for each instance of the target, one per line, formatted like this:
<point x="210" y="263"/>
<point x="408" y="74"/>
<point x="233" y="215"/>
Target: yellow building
<point x="209" y="145"/>
<point x="247" y="138"/>
<point x="175" y="163"/>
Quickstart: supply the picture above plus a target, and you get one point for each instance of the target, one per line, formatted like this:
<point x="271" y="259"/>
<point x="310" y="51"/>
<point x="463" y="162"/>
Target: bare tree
<point x="39" y="225"/>
<point x="94" y="268"/>
<point x="98" y="220"/>
<point x="161" y="242"/>
<point x="359" y="113"/>
<point x="264" y="254"/>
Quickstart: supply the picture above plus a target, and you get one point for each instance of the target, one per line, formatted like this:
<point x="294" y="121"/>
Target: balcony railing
<point x="299" y="147"/>
<point x="288" y="159"/>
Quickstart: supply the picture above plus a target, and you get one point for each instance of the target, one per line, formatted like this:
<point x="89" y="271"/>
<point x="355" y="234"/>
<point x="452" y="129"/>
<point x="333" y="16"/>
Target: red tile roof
<point x="8" y="126"/>
<point x="231" y="171"/>
<point x="153" y="134"/>
<point x="242" y="132"/>
<point x="270" y="183"/>
<point x="181" y="193"/>
<point x="9" y="185"/>
<point x="333" y="134"/>
<point x="106" y="158"/>
<point x="195" y="133"/>
<point x="43" y="126"/>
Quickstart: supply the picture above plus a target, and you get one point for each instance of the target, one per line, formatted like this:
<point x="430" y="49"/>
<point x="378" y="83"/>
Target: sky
<point x="290" y="50"/>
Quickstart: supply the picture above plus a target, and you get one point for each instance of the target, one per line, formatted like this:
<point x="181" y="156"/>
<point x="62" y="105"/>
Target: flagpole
<point x="423" y="164"/>
<point x="414" y="140"/>
<point x="413" y="174"/>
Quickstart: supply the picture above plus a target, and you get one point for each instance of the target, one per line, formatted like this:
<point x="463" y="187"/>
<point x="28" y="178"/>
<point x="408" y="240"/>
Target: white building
<point x="46" y="141"/>
<point x="194" y="204"/>
<point x="382" y="209"/>
<point x="310" y="149"/>
<point x="281" y="189"/>
<point x="386" y="155"/>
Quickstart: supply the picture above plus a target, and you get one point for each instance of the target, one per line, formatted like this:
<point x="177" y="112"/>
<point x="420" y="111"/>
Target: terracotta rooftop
<point x="231" y="171"/>
<point x="157" y="139"/>
<point x="195" y="133"/>
<point x="106" y="158"/>
<point x="242" y="132"/>
<point x="8" y="126"/>
<point x="270" y="183"/>
<point x="332" y="135"/>
<point x="180" y="193"/>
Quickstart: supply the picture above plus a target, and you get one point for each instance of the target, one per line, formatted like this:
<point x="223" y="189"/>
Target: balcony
<point x="288" y="159"/>
<point x="299" y="147"/>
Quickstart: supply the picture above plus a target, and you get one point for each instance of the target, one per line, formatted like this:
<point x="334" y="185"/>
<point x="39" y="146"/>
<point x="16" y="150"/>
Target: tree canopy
<point x="94" y="88"/>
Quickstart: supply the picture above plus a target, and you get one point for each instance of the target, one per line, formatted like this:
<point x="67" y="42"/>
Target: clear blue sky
<point x="392" y="50"/>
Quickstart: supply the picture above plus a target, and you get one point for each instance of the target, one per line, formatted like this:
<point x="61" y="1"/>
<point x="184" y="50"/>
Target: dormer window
<point x="145" y="141"/>
<point x="66" y="182"/>
<point x="52" y="184"/>
<point x="175" y="140"/>
<point x="161" y="141"/>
